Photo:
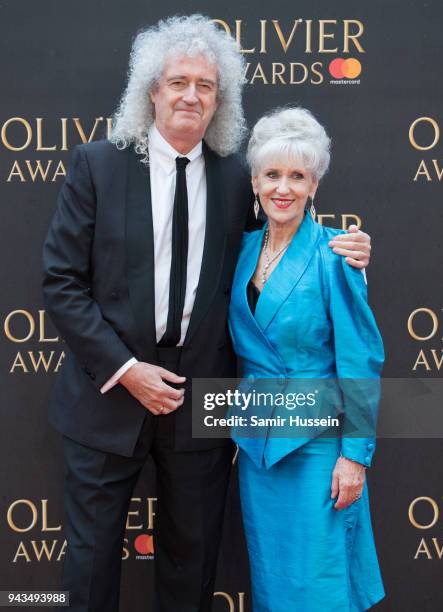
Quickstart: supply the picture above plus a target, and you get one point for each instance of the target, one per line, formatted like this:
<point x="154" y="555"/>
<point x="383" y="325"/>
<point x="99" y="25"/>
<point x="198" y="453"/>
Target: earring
<point x="312" y="210"/>
<point x="256" y="207"/>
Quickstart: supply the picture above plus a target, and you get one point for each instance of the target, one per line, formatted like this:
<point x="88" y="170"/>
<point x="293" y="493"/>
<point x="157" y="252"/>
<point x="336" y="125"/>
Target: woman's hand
<point x="348" y="479"/>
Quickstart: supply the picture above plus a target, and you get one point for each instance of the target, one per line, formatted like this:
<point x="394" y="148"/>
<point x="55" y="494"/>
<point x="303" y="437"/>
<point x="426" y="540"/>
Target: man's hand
<point x="348" y="479"/>
<point x="144" y="381"/>
<point x="355" y="246"/>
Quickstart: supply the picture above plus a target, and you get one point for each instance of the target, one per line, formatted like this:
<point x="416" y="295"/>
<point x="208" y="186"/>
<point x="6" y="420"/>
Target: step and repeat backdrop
<point x="371" y="72"/>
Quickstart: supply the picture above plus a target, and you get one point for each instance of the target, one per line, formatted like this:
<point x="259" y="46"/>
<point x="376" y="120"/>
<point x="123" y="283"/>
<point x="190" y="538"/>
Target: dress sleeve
<point x="359" y="357"/>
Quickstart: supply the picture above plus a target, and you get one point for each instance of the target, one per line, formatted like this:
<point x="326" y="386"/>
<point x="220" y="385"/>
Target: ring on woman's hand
<point x="162" y="409"/>
<point x="356" y="497"/>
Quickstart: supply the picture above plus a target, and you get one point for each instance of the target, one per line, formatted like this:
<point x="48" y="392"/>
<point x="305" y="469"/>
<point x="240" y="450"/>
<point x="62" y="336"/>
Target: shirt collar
<point x="165" y="154"/>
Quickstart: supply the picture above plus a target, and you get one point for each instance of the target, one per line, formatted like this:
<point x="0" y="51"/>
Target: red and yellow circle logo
<point x="144" y="544"/>
<point x="345" y="68"/>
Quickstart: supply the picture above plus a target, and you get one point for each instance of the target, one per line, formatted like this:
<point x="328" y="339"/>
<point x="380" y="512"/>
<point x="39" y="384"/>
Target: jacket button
<point x="368" y="460"/>
<point x="114" y="296"/>
<point x="370" y="446"/>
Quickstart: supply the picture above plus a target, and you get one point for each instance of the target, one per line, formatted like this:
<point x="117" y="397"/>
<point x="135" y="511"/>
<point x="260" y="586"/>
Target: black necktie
<point x="179" y="256"/>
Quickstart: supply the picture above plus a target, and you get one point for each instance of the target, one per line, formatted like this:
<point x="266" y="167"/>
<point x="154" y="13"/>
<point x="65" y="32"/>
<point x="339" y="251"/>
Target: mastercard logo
<point x="144" y="544"/>
<point x="345" y="68"/>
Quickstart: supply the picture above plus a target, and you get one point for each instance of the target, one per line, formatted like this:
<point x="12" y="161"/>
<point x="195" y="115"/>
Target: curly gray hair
<point x="290" y="133"/>
<point x="181" y="36"/>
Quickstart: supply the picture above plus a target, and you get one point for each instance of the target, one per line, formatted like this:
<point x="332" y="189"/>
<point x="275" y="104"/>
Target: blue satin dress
<point x="311" y="321"/>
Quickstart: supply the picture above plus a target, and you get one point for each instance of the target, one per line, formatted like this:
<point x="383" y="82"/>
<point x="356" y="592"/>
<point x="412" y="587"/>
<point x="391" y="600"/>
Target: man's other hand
<point x="145" y="382"/>
<point x="355" y="246"/>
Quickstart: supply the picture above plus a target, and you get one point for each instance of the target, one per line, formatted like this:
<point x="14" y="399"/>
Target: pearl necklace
<point x="269" y="260"/>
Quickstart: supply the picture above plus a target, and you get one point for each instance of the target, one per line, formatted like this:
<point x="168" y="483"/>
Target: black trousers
<point x="191" y="492"/>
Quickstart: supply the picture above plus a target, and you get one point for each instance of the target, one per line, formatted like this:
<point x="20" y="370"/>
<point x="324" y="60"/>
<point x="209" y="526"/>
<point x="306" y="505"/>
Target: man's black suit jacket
<point x="99" y="291"/>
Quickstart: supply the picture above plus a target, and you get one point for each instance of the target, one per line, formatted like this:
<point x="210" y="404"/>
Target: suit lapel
<point x="140" y="251"/>
<point x="288" y="272"/>
<point x="215" y="240"/>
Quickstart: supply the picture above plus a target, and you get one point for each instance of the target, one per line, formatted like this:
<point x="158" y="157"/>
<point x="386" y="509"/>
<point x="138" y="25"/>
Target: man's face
<point x="185" y="99"/>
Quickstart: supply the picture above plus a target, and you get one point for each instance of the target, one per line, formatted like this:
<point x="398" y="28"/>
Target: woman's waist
<point x="289" y="372"/>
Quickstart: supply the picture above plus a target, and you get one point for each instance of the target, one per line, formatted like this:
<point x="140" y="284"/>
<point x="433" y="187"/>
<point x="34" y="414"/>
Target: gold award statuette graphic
<point x="424" y="327"/>
<point x="424" y="136"/>
<point x="41" y="537"/>
<point x="424" y="513"/>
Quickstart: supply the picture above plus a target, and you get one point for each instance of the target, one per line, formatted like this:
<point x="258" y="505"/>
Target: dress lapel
<point x="215" y="240"/>
<point x="247" y="263"/>
<point x="245" y="269"/>
<point x="288" y="272"/>
<point x="140" y="252"/>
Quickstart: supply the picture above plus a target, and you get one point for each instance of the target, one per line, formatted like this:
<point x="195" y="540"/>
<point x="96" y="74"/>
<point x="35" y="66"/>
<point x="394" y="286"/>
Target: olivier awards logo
<point x="424" y="136"/>
<point x="29" y="138"/>
<point x="38" y="527"/>
<point x="40" y="537"/>
<point x="293" y="52"/>
<point x="138" y="541"/>
<point x="343" y="221"/>
<point x="236" y="604"/>
<point x="36" y="348"/>
<point x="423" y="326"/>
<point x="39" y="530"/>
<point x="424" y="513"/>
<point x="298" y="49"/>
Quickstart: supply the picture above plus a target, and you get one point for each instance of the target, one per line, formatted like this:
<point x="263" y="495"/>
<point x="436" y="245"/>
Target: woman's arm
<point x="359" y="359"/>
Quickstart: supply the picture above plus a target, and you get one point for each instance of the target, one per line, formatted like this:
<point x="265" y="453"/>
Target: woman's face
<point x="283" y="189"/>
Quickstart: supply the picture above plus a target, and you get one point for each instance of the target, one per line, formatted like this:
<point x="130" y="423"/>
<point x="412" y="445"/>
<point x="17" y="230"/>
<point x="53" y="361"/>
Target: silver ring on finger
<point x="162" y="409"/>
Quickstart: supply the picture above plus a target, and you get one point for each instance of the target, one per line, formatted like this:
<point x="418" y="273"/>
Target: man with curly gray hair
<point x="179" y="37"/>
<point x="138" y="264"/>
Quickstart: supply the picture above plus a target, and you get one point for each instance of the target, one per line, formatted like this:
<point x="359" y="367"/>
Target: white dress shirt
<point x="162" y="172"/>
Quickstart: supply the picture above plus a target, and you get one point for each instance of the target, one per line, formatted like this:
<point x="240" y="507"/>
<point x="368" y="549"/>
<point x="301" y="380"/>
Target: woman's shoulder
<point x="335" y="266"/>
<point x="326" y="235"/>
